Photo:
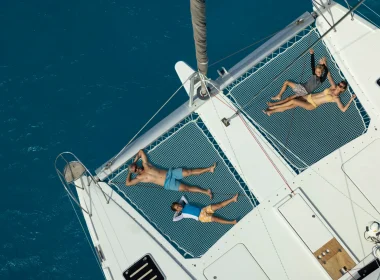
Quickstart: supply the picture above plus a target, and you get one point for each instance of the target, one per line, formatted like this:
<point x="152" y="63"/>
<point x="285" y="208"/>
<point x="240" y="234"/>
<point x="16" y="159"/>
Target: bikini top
<point x="329" y="96"/>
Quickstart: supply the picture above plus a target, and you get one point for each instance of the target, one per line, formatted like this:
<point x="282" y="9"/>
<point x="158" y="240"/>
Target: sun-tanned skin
<point x="178" y="208"/>
<point x="318" y="72"/>
<point x="148" y="173"/>
<point x="329" y="95"/>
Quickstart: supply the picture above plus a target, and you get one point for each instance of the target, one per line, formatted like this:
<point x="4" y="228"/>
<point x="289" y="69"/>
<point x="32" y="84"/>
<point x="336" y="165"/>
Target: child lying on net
<point x="319" y="75"/>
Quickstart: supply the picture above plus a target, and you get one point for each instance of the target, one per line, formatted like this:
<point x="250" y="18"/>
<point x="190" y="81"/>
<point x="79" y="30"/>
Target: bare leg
<point x="270" y="112"/>
<point x="222" y="221"/>
<point x="198" y="171"/>
<point x="289" y="105"/>
<point x="286" y="104"/>
<point x="222" y="204"/>
<point x="281" y="101"/>
<point x="283" y="89"/>
<point x="185" y="188"/>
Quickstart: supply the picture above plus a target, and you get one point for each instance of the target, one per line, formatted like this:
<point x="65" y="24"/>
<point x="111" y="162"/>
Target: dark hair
<point x="132" y="167"/>
<point x="345" y="84"/>
<point x="174" y="204"/>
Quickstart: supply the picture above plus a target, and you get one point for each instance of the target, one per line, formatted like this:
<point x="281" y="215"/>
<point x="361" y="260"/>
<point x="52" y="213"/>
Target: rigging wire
<point x="366" y="18"/>
<point x="256" y="42"/>
<point x="298" y="57"/>
<point x="243" y="49"/>
<point x="155" y="114"/>
<point x="371" y="10"/>
<point x="241" y="170"/>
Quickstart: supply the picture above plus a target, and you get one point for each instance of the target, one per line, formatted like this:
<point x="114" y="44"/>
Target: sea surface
<point x="84" y="76"/>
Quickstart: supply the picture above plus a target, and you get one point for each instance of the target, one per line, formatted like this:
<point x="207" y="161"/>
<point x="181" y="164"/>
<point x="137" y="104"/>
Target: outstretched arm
<point x="312" y="61"/>
<point x="131" y="182"/>
<point x="331" y="80"/>
<point x="342" y="107"/>
<point x="323" y="62"/>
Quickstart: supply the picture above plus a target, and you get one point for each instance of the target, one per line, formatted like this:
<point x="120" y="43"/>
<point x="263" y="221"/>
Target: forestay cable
<point x="155" y="114"/>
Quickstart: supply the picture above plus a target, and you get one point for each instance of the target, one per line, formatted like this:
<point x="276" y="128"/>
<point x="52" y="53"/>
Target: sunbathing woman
<point x="314" y="82"/>
<point x="312" y="101"/>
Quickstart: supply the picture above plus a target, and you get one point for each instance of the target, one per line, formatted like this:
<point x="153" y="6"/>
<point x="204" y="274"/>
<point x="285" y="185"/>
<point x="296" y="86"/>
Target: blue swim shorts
<point x="171" y="180"/>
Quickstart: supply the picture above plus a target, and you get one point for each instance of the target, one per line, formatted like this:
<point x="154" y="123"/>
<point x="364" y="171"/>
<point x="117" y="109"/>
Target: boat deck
<point x="302" y="137"/>
<point x="323" y="209"/>
<point x="188" y="145"/>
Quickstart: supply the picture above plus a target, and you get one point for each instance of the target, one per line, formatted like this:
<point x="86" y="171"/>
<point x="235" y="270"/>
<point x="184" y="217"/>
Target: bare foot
<point x="269" y="104"/>
<point x="266" y="113"/>
<point x="209" y="193"/>
<point x="235" y="198"/>
<point x="276" y="97"/>
<point x="212" y="167"/>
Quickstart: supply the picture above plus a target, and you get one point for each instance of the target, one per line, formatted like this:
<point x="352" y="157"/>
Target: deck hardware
<point x="343" y="270"/>
<point x="71" y="171"/>
<point x="222" y="71"/>
<point x="226" y="122"/>
<point x="101" y="256"/>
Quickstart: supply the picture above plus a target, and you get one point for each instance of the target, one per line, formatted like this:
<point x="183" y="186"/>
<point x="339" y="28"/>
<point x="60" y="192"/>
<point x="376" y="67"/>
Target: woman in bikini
<point x="311" y="102"/>
<point x="319" y="74"/>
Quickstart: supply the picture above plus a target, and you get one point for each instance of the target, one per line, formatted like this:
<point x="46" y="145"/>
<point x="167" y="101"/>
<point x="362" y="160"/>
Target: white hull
<point x="277" y="239"/>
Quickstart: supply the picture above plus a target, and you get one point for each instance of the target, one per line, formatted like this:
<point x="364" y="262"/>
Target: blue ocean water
<point x="84" y="76"/>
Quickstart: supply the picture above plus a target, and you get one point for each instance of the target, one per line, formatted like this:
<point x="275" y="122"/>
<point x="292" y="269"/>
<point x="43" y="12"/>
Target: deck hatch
<point x="144" y="269"/>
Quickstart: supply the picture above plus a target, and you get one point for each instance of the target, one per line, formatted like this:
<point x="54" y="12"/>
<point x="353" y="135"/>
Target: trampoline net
<point x="189" y="145"/>
<point x="301" y="137"/>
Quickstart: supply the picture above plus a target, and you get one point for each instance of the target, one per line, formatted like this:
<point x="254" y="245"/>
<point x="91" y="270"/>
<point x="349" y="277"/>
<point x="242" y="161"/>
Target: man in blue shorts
<point x="169" y="179"/>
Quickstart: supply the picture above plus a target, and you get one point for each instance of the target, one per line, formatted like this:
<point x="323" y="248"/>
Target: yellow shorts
<point x="206" y="214"/>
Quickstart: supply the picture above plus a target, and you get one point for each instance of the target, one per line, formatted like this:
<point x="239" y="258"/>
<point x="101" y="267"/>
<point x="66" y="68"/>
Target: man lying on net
<point x="205" y="215"/>
<point x="169" y="179"/>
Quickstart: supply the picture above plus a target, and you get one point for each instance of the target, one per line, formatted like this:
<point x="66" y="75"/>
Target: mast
<point x="198" y="20"/>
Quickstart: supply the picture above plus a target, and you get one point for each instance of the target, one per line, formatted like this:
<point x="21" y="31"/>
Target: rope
<point x="327" y="181"/>
<point x="241" y="170"/>
<point x="233" y="151"/>
<point x="134" y="137"/>
<point x="320" y="12"/>
<point x="262" y="148"/>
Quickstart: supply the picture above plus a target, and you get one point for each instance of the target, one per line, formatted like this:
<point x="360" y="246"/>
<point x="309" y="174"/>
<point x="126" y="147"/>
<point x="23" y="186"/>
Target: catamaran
<point x="307" y="181"/>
